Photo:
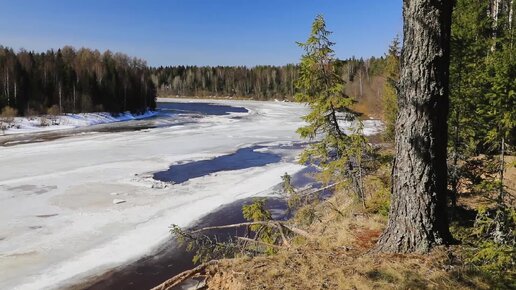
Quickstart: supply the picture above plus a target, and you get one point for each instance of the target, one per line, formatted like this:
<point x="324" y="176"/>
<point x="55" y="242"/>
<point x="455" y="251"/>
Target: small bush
<point x="7" y="118"/>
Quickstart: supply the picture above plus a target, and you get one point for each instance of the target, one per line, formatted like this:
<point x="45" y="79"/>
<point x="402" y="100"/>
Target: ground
<point x="341" y="253"/>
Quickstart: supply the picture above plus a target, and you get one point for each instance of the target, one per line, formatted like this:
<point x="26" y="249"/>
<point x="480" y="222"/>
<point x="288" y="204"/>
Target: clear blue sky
<point x="200" y="32"/>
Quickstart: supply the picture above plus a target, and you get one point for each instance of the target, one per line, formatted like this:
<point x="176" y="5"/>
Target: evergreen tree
<point x="390" y="94"/>
<point x="469" y="47"/>
<point x="339" y="154"/>
<point x="482" y="73"/>
<point x="417" y="217"/>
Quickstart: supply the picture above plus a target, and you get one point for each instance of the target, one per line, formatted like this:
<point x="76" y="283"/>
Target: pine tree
<point x="320" y="85"/>
<point x="417" y="217"/>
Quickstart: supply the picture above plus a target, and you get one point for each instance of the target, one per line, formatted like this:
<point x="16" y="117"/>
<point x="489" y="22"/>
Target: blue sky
<point x="200" y="32"/>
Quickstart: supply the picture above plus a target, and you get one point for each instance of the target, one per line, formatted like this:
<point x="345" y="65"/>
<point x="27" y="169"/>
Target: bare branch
<point x="181" y="277"/>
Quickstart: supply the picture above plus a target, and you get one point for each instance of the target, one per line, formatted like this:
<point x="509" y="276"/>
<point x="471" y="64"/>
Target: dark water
<point x="171" y="259"/>
<point x="201" y="108"/>
<point x="241" y="159"/>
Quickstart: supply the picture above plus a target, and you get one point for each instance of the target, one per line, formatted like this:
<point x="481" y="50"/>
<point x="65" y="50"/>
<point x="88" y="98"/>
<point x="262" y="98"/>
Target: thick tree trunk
<point x="417" y="218"/>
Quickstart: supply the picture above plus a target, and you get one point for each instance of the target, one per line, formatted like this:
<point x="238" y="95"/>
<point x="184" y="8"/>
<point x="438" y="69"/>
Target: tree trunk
<point x="15" y="94"/>
<point x="60" y="99"/>
<point x="361" y="86"/>
<point x="74" y="99"/>
<point x="501" y="191"/>
<point x="495" y="11"/>
<point x="418" y="219"/>
<point x="8" y="90"/>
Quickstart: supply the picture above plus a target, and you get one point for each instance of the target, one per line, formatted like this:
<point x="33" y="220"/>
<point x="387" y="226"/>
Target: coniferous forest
<point x="72" y="81"/>
<point x="259" y="82"/>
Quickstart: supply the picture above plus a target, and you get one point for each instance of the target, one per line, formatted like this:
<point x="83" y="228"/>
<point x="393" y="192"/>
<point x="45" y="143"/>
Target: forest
<point x="73" y="81"/>
<point x="259" y="82"/>
<point x="84" y="80"/>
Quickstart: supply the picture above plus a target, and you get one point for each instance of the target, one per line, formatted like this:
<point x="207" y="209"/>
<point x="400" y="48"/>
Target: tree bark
<point x="418" y="219"/>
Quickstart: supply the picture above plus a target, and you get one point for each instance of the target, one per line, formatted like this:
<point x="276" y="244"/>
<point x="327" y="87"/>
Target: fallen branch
<point x="181" y="277"/>
<point x="283" y="238"/>
<point x="275" y="224"/>
<point x="304" y="193"/>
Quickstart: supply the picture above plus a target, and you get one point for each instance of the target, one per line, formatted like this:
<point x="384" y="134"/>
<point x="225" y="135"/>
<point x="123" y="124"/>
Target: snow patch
<point x="70" y="121"/>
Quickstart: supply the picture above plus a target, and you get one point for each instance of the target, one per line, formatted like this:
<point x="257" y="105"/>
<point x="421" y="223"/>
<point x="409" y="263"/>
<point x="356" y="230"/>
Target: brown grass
<point x="340" y="258"/>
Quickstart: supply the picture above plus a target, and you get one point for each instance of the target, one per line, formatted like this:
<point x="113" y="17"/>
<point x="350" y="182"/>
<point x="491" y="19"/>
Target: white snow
<point x="118" y="201"/>
<point x="59" y="223"/>
<point x="370" y="127"/>
<point x="69" y="121"/>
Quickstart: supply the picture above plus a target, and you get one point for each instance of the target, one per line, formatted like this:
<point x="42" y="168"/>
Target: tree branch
<point x="181" y="277"/>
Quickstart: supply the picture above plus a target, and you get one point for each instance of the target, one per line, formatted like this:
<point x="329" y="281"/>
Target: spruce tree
<point x="390" y="94"/>
<point x="339" y="153"/>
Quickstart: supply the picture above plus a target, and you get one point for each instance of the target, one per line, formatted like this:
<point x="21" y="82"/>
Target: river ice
<point x="77" y="206"/>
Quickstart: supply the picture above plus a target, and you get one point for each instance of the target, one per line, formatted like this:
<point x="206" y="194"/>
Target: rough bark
<point x="417" y="218"/>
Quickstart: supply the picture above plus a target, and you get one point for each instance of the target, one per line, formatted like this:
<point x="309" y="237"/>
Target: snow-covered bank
<point x="23" y="125"/>
<point x="61" y="221"/>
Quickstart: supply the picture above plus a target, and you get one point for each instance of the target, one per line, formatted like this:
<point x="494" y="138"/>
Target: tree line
<point x="259" y="82"/>
<point x="84" y="80"/>
<point x="73" y="81"/>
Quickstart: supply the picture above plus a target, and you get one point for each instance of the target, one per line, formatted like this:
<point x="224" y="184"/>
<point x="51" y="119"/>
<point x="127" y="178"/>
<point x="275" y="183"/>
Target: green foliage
<point x="379" y="203"/>
<point x="256" y="212"/>
<point x="482" y="91"/>
<point x="204" y="247"/>
<point x="498" y="225"/>
<point x="390" y="94"/>
<point x="494" y="238"/>
<point x="294" y="199"/>
<point x="482" y="80"/>
<point x="307" y="214"/>
<point x="320" y="86"/>
<point x="498" y="109"/>
<point x="469" y="47"/>
<point x="259" y="82"/>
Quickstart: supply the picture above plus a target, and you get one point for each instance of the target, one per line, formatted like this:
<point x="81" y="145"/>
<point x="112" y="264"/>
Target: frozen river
<point x="58" y="212"/>
<point x="81" y="204"/>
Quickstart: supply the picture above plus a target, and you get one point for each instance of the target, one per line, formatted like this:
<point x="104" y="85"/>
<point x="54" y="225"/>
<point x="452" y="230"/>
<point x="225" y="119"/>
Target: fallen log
<point x="181" y="277"/>
<point x="275" y="224"/>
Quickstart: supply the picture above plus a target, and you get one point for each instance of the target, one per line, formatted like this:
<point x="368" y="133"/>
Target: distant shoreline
<point x="222" y="98"/>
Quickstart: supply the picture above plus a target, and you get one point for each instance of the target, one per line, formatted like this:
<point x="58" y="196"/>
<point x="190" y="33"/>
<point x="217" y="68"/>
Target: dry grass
<point x="340" y="258"/>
